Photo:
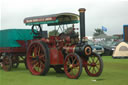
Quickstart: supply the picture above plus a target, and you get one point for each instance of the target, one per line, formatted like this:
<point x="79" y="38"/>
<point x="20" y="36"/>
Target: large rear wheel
<point x="38" y="61"/>
<point x="94" y="65"/>
<point x="73" y="66"/>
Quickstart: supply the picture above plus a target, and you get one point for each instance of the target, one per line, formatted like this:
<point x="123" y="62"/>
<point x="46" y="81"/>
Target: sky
<point x="112" y="14"/>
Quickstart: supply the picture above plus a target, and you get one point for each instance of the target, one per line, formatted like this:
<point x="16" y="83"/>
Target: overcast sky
<point x="112" y="14"/>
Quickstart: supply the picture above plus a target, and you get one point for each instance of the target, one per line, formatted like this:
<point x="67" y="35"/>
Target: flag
<point x="104" y="29"/>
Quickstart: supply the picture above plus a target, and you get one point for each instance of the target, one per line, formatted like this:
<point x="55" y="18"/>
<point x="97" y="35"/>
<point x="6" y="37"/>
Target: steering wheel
<point x="36" y="29"/>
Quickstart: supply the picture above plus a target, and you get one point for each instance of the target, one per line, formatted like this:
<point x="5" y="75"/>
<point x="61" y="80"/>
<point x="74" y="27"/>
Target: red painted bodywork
<point x="12" y="50"/>
<point x="56" y="56"/>
<point x="54" y="43"/>
<point x="21" y="49"/>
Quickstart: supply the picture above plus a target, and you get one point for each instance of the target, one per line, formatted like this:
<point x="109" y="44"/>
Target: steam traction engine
<point x="64" y="52"/>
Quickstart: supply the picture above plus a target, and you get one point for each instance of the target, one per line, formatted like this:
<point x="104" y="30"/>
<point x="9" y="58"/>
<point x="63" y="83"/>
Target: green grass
<point x="115" y="72"/>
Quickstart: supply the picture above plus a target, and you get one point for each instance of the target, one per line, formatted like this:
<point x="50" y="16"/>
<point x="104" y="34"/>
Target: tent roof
<point x="121" y="50"/>
<point x="53" y="19"/>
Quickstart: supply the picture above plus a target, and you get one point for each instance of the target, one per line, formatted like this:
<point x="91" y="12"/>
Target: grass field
<point x="115" y="72"/>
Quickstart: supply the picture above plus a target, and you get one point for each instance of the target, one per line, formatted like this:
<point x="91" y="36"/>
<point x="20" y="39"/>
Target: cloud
<point x="109" y="13"/>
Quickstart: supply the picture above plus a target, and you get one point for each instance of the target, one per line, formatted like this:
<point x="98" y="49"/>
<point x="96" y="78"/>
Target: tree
<point x="98" y="31"/>
<point x="53" y="33"/>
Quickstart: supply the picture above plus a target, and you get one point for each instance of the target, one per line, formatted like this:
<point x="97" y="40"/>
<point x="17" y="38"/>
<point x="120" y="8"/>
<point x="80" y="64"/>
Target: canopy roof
<point x="54" y="19"/>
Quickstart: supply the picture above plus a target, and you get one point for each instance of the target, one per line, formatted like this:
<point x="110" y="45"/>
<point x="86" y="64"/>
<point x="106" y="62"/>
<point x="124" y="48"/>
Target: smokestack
<point x="82" y="23"/>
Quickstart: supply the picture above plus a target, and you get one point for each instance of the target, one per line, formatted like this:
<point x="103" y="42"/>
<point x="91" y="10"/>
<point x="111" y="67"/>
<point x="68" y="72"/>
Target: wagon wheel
<point x="0" y="61"/>
<point x="73" y="66"/>
<point x="58" y="69"/>
<point x="94" y="65"/>
<point x="7" y="63"/>
<point x="15" y="61"/>
<point x="38" y="60"/>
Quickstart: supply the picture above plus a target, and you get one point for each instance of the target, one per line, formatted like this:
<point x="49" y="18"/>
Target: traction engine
<point x="66" y="52"/>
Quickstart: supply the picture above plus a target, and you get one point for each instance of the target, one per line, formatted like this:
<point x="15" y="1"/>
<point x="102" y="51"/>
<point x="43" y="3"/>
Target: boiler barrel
<point x="81" y="50"/>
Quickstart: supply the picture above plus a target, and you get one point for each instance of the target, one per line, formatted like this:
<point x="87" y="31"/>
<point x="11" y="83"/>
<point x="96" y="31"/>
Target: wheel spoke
<point x="69" y="62"/>
<point x="31" y="56"/>
<point x="88" y="64"/>
<point x="71" y="59"/>
<point x="98" y="64"/>
<point x="41" y="64"/>
<point x="41" y="56"/>
<point x="94" y="69"/>
<point x="90" y="68"/>
<point x="72" y="72"/>
<point x="35" y="51"/>
<point x="35" y="65"/>
<point x="75" y="65"/>
<point x="42" y="59"/>
<point x="89" y="61"/>
<point x="93" y="59"/>
<point x="38" y="51"/>
<point x="97" y="60"/>
<point x="74" y="60"/>
<point x="97" y="67"/>
<point x="33" y="62"/>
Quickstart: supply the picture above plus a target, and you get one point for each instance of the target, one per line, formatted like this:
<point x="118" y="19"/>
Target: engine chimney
<point x="82" y="23"/>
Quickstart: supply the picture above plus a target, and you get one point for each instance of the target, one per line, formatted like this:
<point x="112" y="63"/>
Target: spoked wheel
<point x="73" y="66"/>
<point x="38" y="61"/>
<point x="7" y="63"/>
<point x="15" y="61"/>
<point x="94" y="65"/>
<point x="0" y="61"/>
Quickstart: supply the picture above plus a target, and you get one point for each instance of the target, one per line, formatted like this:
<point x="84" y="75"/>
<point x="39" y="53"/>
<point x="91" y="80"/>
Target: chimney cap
<point x="82" y="10"/>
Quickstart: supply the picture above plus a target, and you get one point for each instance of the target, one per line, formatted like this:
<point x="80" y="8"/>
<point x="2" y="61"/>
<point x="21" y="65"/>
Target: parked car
<point x="109" y="46"/>
<point x="96" y="48"/>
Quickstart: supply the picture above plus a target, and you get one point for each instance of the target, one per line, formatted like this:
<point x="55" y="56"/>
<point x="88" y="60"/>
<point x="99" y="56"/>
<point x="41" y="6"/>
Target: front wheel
<point x="94" y="65"/>
<point x="73" y="66"/>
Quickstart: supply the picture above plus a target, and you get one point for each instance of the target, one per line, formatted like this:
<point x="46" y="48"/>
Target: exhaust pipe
<point x="82" y="23"/>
